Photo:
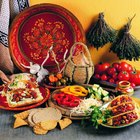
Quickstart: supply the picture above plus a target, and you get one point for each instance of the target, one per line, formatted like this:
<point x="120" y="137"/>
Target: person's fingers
<point x="4" y="78"/>
<point x="11" y="77"/>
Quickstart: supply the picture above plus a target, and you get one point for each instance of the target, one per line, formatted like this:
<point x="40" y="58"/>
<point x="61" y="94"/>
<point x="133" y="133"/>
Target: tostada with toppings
<point x="22" y="91"/>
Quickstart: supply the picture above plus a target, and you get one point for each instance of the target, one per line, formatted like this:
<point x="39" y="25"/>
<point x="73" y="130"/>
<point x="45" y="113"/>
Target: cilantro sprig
<point x="98" y="116"/>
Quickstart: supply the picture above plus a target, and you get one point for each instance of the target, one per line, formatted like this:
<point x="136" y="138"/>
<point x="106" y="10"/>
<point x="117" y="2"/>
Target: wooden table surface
<point x="73" y="132"/>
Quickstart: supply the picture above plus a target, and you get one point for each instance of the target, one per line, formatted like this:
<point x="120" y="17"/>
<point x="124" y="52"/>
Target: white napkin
<point x="8" y="10"/>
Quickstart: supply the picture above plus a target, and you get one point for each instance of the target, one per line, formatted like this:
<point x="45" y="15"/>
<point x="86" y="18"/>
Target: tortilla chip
<point x="19" y="122"/>
<point x="64" y="123"/>
<point x="22" y="115"/>
<point x="39" y="130"/>
<point x="49" y="125"/>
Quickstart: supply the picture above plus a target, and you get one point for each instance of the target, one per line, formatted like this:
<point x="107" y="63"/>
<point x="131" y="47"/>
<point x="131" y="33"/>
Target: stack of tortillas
<point x="42" y="119"/>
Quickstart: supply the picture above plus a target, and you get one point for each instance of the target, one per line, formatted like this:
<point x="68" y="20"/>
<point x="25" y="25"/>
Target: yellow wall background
<point x="116" y="14"/>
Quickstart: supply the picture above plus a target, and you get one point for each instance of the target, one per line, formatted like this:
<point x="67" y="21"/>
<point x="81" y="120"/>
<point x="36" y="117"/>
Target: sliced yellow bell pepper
<point x="75" y="90"/>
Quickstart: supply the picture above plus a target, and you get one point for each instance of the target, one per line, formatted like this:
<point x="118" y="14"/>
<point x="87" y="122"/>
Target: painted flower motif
<point x="35" y="45"/>
<point x="31" y="38"/>
<point x="43" y="35"/>
<point x="44" y="52"/>
<point x="46" y="40"/>
<point x="48" y="27"/>
<point x="36" y="32"/>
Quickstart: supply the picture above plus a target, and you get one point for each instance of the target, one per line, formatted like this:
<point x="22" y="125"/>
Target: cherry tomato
<point x="119" y="68"/>
<point x="117" y="82"/>
<point x="111" y="71"/>
<point x="97" y="76"/>
<point x="135" y="77"/>
<point x="123" y="76"/>
<point x="104" y="77"/>
<point x="133" y="85"/>
<point x="111" y="80"/>
<point x="126" y="67"/>
<point x="116" y="65"/>
<point x="108" y="77"/>
<point x="115" y="76"/>
<point x="101" y="68"/>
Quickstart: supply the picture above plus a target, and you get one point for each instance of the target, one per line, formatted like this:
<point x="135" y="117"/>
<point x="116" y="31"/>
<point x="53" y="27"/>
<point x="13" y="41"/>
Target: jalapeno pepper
<point x="67" y="100"/>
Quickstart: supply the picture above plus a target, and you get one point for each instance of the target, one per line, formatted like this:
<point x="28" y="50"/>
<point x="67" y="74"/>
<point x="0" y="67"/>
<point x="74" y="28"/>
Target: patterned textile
<point x="8" y="10"/>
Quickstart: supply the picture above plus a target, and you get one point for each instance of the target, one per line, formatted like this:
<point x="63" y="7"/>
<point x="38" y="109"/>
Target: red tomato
<point x="133" y="85"/>
<point x="101" y="68"/>
<point x="126" y="67"/>
<point x="116" y="65"/>
<point x="115" y="76"/>
<point x="135" y="77"/>
<point x="123" y="76"/>
<point x="104" y="77"/>
<point x="108" y="77"/>
<point x="119" y="68"/>
<point x="117" y="82"/>
<point x="111" y="71"/>
<point x="97" y="76"/>
<point x="111" y="80"/>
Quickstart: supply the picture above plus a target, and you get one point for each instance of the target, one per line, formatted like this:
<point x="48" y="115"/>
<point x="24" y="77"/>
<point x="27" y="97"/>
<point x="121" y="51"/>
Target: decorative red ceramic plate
<point x="45" y="93"/>
<point x="38" y="28"/>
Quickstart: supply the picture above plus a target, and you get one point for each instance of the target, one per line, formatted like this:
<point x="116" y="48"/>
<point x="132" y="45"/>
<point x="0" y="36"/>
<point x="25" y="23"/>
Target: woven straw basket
<point x="79" y="74"/>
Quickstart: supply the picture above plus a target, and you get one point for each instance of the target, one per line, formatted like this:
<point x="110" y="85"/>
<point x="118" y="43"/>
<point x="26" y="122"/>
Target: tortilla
<point x="48" y="125"/>
<point x="39" y="130"/>
<point x="30" y="117"/>
<point x="47" y="114"/>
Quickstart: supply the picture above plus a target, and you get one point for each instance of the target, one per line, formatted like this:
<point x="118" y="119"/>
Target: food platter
<point x="64" y="110"/>
<point x="68" y="111"/>
<point x="45" y="93"/>
<point x="116" y="127"/>
<point x="123" y="110"/>
<point x="122" y="126"/>
<point x="55" y="81"/>
<point x="38" y="28"/>
<point x="22" y="93"/>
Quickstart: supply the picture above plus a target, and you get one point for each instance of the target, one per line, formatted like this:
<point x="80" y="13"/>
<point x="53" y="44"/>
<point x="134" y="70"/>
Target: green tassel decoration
<point x="100" y="33"/>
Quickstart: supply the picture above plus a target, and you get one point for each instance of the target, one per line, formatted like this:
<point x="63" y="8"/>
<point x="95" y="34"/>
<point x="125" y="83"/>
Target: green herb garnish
<point x="14" y="84"/>
<point x="97" y="116"/>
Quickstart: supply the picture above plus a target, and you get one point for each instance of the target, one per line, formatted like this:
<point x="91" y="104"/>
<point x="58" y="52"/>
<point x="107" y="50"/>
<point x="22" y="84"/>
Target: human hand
<point x="4" y="78"/>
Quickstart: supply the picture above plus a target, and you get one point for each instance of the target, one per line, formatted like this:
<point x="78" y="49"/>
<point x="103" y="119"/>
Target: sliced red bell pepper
<point x="67" y="100"/>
